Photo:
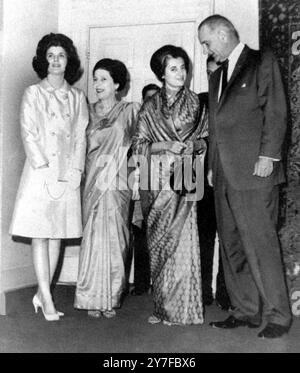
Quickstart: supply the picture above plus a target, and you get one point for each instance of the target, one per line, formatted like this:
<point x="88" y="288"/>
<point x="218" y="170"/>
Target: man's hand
<point x="263" y="167"/>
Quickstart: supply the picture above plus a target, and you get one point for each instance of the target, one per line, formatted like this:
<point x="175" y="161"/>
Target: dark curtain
<point x="280" y="30"/>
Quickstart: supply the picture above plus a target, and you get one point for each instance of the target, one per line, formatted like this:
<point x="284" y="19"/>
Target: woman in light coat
<point x="53" y="120"/>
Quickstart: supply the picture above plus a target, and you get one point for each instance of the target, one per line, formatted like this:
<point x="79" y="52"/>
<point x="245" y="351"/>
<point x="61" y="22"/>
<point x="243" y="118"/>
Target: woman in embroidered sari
<point x="170" y="123"/>
<point x="106" y="197"/>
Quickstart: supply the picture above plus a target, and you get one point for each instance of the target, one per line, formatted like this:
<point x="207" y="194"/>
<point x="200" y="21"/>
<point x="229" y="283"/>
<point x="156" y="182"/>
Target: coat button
<point x="53" y="133"/>
<point x="53" y="154"/>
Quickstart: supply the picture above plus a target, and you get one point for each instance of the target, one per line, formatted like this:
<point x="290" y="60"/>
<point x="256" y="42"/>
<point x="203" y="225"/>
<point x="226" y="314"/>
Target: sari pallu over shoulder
<point x="101" y="276"/>
<point x="109" y="140"/>
<point x="158" y="121"/>
<point x="183" y="120"/>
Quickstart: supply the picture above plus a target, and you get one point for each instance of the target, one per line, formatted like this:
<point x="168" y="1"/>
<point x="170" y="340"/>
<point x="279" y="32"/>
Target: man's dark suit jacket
<point x="249" y="120"/>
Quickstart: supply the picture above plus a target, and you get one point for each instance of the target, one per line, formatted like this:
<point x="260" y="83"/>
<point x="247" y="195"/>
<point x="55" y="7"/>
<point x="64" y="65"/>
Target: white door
<point x="134" y="45"/>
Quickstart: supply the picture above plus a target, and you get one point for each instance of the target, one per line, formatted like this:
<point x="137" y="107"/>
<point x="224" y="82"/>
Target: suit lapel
<point x="241" y="62"/>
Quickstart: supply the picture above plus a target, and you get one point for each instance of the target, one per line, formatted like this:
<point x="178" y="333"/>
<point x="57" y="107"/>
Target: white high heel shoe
<point x="38" y="304"/>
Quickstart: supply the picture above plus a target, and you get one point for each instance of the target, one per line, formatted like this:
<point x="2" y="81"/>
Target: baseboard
<point x="17" y="278"/>
<point x="2" y="304"/>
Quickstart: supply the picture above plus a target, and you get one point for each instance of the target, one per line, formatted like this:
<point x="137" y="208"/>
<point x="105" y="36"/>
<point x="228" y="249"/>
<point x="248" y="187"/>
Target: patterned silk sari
<point x="172" y="233"/>
<point x="101" y="277"/>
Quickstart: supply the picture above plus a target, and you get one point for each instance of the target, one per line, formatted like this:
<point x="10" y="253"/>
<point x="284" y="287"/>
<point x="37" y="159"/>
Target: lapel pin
<point x="244" y="85"/>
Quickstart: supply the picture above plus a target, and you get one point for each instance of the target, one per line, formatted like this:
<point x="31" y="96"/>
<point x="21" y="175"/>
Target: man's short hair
<point x="217" y="20"/>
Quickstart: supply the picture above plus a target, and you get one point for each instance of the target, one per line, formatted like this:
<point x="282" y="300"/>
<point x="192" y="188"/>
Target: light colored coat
<point x="53" y="123"/>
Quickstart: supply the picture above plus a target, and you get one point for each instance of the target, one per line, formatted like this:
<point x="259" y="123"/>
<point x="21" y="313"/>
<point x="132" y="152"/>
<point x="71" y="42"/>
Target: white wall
<point x="244" y="14"/>
<point x="24" y="22"/>
<point x="76" y="16"/>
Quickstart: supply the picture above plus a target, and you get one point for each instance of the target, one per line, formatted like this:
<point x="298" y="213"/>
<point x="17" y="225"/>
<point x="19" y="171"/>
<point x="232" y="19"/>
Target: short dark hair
<point x="116" y="69"/>
<point x="40" y="64"/>
<point x="149" y="87"/>
<point x="217" y="20"/>
<point x="159" y="59"/>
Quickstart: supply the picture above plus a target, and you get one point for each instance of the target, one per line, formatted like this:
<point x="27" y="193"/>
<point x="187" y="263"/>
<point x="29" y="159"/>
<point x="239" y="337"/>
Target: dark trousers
<point x="253" y="267"/>
<point x="141" y="259"/>
<point x="207" y="228"/>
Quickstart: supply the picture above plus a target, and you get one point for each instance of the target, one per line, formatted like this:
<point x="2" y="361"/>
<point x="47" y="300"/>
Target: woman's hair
<point x="116" y="69"/>
<point x="149" y="87"/>
<point x="160" y="58"/>
<point x="40" y="64"/>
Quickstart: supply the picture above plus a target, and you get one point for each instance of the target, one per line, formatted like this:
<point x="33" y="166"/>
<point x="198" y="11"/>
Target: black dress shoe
<point x="231" y="322"/>
<point x="272" y="330"/>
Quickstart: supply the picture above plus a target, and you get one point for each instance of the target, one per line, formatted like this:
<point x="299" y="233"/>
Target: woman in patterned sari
<point x="170" y="123"/>
<point x="101" y="278"/>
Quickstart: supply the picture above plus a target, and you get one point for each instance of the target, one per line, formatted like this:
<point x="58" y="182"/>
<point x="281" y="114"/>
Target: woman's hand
<point x="74" y="178"/>
<point x="175" y="147"/>
<point x="189" y="147"/>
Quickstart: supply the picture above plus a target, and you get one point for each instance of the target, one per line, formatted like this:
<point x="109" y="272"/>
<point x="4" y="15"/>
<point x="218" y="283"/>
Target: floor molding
<point x="2" y="304"/>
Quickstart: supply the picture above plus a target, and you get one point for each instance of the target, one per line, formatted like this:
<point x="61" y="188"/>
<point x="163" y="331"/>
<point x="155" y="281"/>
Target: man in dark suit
<point x="247" y="124"/>
<point x="207" y="227"/>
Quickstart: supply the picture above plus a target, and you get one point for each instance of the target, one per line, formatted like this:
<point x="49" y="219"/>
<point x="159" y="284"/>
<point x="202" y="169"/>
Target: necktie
<point x="224" y="68"/>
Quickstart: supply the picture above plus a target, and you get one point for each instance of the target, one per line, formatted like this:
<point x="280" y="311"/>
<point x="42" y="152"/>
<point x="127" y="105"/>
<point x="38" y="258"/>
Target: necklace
<point x="102" y="111"/>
